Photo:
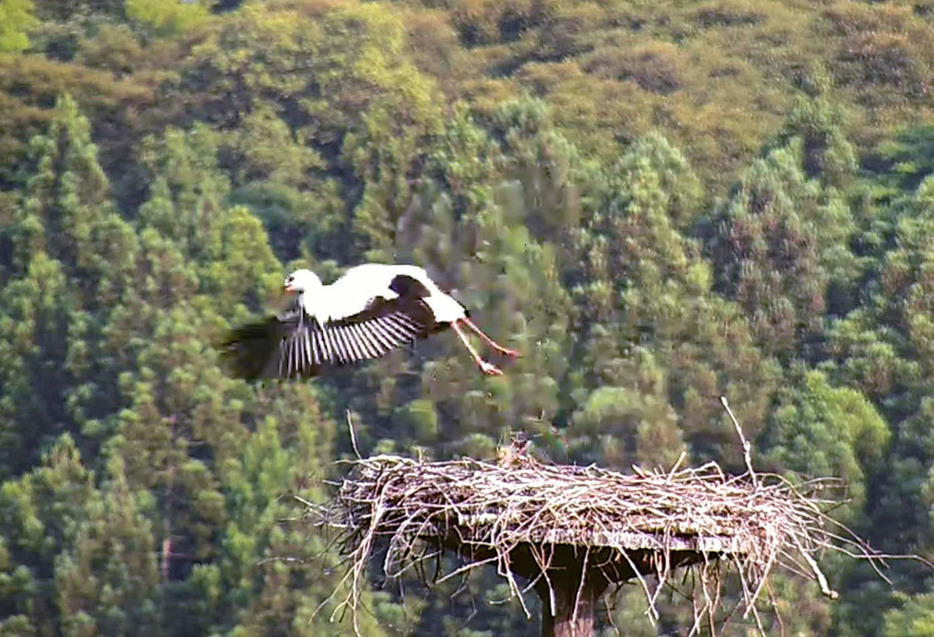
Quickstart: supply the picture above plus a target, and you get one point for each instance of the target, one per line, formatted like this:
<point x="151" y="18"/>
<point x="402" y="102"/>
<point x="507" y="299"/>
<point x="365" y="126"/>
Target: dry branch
<point x="537" y="521"/>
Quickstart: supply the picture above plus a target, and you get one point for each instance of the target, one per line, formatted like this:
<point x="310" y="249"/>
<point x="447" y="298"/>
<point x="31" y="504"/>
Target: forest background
<point x="658" y="203"/>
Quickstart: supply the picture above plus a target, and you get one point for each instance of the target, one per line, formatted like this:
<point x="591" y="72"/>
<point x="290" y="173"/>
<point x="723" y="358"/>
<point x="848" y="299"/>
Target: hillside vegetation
<point x="658" y="203"/>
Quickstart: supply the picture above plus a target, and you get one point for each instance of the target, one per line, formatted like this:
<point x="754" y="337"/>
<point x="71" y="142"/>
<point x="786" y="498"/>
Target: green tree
<point x="275" y="576"/>
<point x="913" y="619"/>
<point x="819" y="430"/>
<point x="35" y="329"/>
<point x="107" y="578"/>
<point x="644" y="285"/>
<point x="354" y="108"/>
<point x="675" y="174"/>
<point x="186" y="191"/>
<point x="820" y="123"/>
<point x="630" y="424"/>
<point x="66" y="198"/>
<point x="70" y="261"/>
<point x="16" y="19"/>
<point x="778" y="244"/>
<point x="165" y="16"/>
<point x="40" y="514"/>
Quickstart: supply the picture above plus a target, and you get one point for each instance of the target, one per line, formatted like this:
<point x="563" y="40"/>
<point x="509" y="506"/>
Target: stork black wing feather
<point x="384" y="325"/>
<point x="295" y="344"/>
<point x="277" y="346"/>
<point x="246" y="352"/>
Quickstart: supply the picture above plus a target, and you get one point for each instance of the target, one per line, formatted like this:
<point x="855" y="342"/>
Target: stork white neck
<point x="302" y="281"/>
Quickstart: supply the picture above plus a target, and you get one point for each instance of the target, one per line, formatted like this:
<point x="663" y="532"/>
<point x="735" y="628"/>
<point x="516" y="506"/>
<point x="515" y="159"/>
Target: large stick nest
<point x="534" y="520"/>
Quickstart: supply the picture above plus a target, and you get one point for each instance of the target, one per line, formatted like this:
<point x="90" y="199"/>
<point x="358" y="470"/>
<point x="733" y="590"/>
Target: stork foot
<point x="505" y="351"/>
<point x="489" y="369"/>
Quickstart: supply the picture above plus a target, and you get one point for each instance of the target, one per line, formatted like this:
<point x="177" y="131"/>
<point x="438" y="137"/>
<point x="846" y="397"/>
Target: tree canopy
<point x="658" y="204"/>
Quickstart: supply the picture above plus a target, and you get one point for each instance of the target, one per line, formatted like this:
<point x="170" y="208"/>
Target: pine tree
<point x="279" y="577"/>
<point x="629" y="424"/>
<point x="675" y="174"/>
<point x="35" y="330"/>
<point x="771" y="257"/>
<point x="107" y="579"/>
<point x="186" y="190"/>
<point x="644" y="285"/>
<point x="820" y="430"/>
<point x="70" y="260"/>
<point x="40" y="514"/>
<point x="16" y="19"/>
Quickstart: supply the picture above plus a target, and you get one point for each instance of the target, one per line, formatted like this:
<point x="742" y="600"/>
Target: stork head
<point x="301" y="281"/>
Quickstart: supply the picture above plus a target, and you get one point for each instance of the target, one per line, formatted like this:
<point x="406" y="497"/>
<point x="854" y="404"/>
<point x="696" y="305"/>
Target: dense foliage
<point x="657" y="203"/>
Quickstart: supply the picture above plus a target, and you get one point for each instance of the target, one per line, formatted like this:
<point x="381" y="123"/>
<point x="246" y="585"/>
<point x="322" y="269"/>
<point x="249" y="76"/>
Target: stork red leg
<point x="487" y="368"/>
<point x="499" y="348"/>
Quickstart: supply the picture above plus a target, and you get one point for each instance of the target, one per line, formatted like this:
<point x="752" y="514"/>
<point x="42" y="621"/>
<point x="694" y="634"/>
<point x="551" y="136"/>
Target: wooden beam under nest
<point x="571" y="533"/>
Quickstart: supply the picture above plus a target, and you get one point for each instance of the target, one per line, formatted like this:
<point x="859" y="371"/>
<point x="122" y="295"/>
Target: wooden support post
<point x="562" y="621"/>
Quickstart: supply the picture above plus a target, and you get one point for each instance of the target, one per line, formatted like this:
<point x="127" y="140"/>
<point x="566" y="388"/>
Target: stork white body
<point x="369" y="311"/>
<point x="351" y="293"/>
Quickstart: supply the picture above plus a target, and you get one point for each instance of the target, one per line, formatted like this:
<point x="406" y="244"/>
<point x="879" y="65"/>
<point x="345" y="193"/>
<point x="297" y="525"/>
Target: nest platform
<point x="569" y="533"/>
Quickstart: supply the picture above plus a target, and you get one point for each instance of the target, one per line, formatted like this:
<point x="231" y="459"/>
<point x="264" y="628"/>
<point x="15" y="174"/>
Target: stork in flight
<point x="366" y="313"/>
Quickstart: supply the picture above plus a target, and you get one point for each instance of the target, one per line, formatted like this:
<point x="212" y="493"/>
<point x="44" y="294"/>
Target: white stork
<point x="366" y="313"/>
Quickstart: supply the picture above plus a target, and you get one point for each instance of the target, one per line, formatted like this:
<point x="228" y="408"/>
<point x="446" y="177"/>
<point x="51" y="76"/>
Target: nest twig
<point x="523" y="517"/>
